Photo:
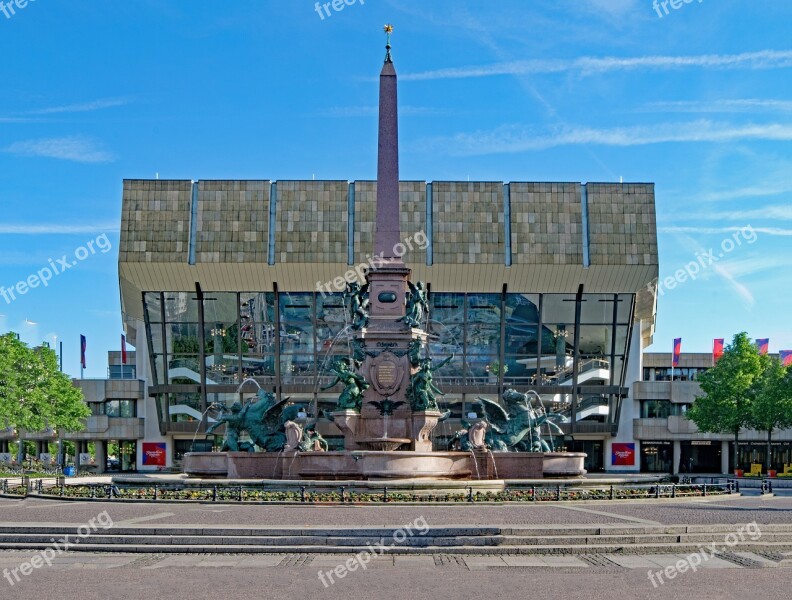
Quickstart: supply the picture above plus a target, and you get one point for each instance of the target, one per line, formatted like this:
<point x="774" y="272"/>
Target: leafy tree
<point x="772" y="405"/>
<point x="729" y="390"/>
<point x="34" y="394"/>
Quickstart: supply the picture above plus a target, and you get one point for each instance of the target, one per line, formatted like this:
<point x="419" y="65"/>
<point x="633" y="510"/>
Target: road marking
<point x="144" y="519"/>
<point x="607" y="514"/>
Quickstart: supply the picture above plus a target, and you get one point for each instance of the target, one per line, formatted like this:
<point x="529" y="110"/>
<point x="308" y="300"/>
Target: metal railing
<point x="346" y="494"/>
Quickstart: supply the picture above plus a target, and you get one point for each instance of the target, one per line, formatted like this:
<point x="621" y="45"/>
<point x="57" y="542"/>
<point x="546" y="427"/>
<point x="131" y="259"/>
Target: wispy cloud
<point x="721" y="230"/>
<point x="56" y="228"/>
<point x="589" y="65"/>
<point x="739" y="288"/>
<point x="752" y="105"/>
<point x="81" y="107"/>
<point x="74" y="148"/>
<point x="368" y="111"/>
<point x="773" y="212"/>
<point x="512" y="138"/>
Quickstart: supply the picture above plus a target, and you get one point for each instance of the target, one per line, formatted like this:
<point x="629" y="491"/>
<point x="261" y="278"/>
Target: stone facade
<point x="232" y="222"/>
<point x="468" y="223"/>
<point x="622" y="224"/>
<point x="546" y="223"/>
<point x="155" y="221"/>
<point x="312" y="221"/>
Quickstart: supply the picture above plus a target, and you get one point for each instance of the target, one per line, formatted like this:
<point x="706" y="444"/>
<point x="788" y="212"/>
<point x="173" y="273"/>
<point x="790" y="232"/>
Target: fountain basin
<point x="206" y="464"/>
<point x="564" y="464"/>
<point x="384" y="444"/>
<point x="413" y="465"/>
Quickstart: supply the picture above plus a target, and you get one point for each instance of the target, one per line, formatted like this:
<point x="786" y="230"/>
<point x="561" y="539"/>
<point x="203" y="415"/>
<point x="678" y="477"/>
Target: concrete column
<point x="101" y="456"/>
<point x="725" y="458"/>
<point x="677" y="456"/>
<point x="21" y="452"/>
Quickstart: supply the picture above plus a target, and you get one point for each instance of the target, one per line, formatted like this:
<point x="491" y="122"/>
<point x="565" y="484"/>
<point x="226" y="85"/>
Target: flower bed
<point x="237" y="494"/>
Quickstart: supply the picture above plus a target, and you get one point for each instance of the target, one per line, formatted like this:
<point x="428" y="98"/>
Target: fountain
<point x="388" y="406"/>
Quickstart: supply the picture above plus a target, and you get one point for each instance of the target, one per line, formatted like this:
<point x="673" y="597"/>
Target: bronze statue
<point x="234" y="421"/>
<point x="357" y="297"/>
<point x="417" y="305"/>
<point x="352" y="396"/>
<point x="508" y="428"/>
<point x="421" y="392"/>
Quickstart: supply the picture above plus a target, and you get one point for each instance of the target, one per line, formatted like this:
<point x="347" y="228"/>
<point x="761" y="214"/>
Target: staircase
<point x="775" y="540"/>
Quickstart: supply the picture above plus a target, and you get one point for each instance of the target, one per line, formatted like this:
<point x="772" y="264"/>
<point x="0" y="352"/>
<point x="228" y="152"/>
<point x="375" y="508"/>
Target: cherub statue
<point x="358" y="304"/>
<point x="352" y="396"/>
<point x="417" y="305"/>
<point x="421" y="392"/>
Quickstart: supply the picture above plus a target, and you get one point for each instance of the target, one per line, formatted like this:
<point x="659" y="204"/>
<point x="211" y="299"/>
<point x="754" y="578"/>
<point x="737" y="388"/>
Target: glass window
<point x="124" y="409"/>
<point x="153" y="307"/>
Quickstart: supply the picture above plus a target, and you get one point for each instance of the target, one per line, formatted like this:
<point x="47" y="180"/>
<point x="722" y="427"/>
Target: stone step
<point x="588" y="532"/>
<point x="555" y="549"/>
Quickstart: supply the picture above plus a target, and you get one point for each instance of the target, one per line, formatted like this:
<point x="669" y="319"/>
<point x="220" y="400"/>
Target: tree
<point x="729" y="390"/>
<point x="34" y="394"/>
<point x="772" y="405"/>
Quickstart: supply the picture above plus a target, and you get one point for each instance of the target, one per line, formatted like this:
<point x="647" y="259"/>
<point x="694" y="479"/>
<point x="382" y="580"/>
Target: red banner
<point x="677" y="352"/>
<point x="155" y="455"/>
<point x="717" y="350"/>
<point x="623" y="455"/>
<point x="786" y="357"/>
<point x="763" y="345"/>
<point x="123" y="350"/>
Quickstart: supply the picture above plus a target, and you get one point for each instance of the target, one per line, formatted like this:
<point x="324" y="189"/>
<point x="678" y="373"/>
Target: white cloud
<point x="777" y="231"/>
<point x="56" y="228"/>
<point x="752" y="105"/>
<point x="83" y="107"/>
<point x="776" y="213"/>
<point x="588" y="65"/>
<point x="511" y="138"/>
<point x="74" y="148"/>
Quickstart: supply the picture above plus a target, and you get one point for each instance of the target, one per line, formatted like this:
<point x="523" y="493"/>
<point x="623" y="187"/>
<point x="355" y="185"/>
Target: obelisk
<point x="388" y="231"/>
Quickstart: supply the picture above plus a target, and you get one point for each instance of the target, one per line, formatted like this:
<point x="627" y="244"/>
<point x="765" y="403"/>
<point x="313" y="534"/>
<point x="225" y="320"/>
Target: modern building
<point x="533" y="286"/>
<point x="668" y="442"/>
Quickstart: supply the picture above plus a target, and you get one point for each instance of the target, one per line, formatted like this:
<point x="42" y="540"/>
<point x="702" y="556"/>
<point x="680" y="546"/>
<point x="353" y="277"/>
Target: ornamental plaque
<point x="386" y="374"/>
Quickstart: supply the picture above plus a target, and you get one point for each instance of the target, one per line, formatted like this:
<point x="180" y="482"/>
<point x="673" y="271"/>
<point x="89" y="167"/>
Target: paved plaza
<point x="434" y="575"/>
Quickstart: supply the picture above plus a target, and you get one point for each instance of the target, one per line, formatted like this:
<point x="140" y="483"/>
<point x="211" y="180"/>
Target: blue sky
<point x="698" y="100"/>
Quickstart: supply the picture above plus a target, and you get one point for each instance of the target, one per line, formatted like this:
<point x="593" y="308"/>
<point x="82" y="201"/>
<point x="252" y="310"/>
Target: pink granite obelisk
<point x="388" y="230"/>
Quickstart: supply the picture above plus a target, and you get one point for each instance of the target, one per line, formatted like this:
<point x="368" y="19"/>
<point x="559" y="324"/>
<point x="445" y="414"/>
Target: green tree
<point x="34" y="394"/>
<point x="772" y="405"/>
<point x="729" y="390"/>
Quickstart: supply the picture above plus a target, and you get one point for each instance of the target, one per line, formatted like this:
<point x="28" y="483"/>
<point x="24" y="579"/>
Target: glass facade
<point x="287" y="341"/>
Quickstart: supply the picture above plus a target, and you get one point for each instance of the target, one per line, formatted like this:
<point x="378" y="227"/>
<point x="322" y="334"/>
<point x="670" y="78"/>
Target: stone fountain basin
<point x="384" y="444"/>
<point x="375" y="464"/>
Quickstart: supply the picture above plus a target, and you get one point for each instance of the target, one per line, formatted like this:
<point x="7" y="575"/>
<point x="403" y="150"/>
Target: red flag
<point x="763" y="345"/>
<point x="83" y="347"/>
<point x="717" y="349"/>
<point x="677" y="351"/>
<point x="123" y="349"/>
<point x="786" y="358"/>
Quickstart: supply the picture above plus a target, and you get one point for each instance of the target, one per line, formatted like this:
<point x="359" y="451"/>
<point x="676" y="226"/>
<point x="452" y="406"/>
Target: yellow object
<point x="788" y="468"/>
<point x="756" y="469"/>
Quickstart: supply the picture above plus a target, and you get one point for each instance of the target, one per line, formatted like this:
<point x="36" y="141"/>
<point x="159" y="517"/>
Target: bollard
<point x="156" y="493"/>
<point x="343" y="494"/>
<point x="302" y="494"/>
<point x="705" y="490"/>
<point x="385" y="494"/>
<point x="241" y="494"/>
<point x="611" y="492"/>
<point x="214" y="493"/>
<point x="558" y="493"/>
<point x="533" y="493"/>
<point x="673" y="490"/>
<point x="470" y="493"/>
<point x="657" y="491"/>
